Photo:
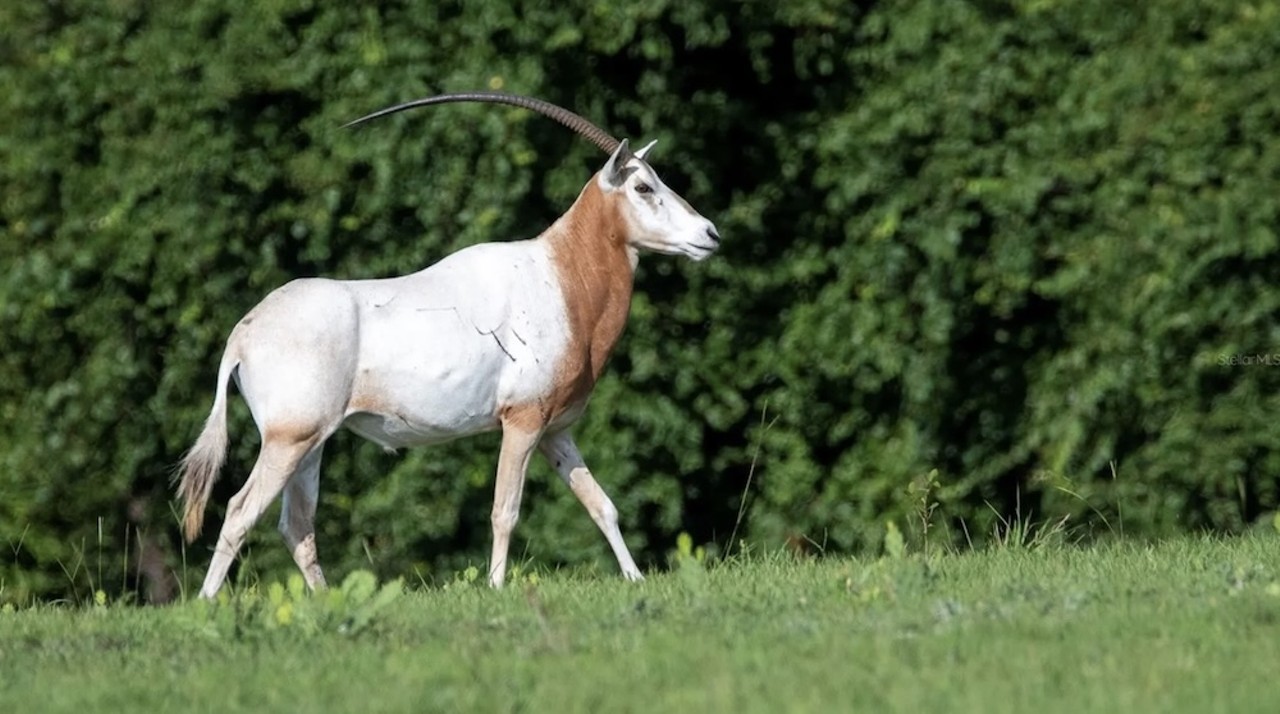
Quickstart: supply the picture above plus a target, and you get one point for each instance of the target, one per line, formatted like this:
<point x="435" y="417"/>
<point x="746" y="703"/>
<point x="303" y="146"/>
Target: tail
<point x="200" y="466"/>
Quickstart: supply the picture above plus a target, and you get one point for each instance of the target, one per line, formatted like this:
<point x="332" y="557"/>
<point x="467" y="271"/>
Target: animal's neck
<point x="596" y="270"/>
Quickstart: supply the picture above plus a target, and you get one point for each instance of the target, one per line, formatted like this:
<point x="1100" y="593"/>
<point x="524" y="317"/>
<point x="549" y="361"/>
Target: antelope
<point x="502" y="335"/>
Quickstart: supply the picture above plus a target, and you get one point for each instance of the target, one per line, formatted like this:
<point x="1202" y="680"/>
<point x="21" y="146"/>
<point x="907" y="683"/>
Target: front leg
<point x="517" y="446"/>
<point x="567" y="460"/>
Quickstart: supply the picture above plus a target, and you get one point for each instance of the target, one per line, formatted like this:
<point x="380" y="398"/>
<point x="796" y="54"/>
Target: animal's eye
<point x="643" y="188"/>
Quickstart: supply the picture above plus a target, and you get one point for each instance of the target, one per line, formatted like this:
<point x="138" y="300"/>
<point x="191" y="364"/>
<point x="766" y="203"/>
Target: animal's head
<point x="658" y="219"/>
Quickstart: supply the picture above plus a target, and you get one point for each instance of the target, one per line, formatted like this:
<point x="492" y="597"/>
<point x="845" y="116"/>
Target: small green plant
<point x="869" y="584"/>
<point x="1022" y="532"/>
<point x="517" y="575"/>
<point x="690" y="564"/>
<point x="469" y="575"/>
<point x="922" y="490"/>
<point x="686" y="554"/>
<point x="895" y="546"/>
<point x="347" y="609"/>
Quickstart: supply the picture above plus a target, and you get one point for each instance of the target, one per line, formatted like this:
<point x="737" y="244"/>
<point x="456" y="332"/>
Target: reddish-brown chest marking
<point x="589" y="250"/>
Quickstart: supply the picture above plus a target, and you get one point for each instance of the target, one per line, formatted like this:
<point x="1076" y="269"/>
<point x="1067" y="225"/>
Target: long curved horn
<point x="593" y="133"/>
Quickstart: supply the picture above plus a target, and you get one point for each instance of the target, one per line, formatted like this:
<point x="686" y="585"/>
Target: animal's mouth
<point x="707" y="246"/>
<point x="701" y="251"/>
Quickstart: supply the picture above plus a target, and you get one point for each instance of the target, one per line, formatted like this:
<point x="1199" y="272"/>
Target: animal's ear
<point x="641" y="153"/>
<point x="616" y="171"/>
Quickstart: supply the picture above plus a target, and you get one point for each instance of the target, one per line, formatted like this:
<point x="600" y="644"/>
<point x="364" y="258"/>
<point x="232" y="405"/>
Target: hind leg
<point x="278" y="460"/>
<point x="298" y="517"/>
<point x="563" y="454"/>
<point x="298" y="351"/>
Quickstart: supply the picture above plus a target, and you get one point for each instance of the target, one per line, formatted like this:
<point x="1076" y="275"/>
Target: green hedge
<point x="1030" y="246"/>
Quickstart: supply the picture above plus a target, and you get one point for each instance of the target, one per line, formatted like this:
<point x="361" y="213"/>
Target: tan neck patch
<point x="589" y="250"/>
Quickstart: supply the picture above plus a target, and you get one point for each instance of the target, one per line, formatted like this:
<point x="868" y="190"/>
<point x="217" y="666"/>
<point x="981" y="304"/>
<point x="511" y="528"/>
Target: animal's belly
<point x="422" y="391"/>
<point x="397" y="431"/>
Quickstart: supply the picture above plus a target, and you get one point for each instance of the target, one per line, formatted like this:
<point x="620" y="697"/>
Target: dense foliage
<point x="993" y="256"/>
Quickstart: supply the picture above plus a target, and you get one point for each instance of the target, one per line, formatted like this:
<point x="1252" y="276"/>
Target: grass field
<point x="1189" y="625"/>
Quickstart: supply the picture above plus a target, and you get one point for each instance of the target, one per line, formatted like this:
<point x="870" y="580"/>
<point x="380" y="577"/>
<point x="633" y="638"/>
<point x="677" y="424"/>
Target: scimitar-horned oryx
<point x="507" y="335"/>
